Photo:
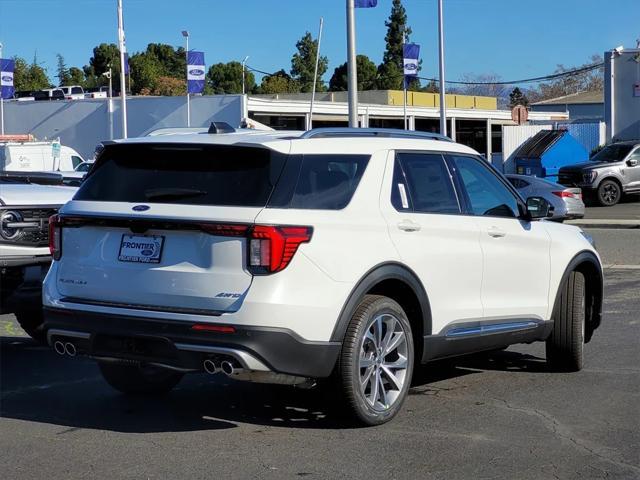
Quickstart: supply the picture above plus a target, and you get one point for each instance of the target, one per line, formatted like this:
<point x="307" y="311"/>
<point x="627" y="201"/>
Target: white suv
<point x="287" y="257"/>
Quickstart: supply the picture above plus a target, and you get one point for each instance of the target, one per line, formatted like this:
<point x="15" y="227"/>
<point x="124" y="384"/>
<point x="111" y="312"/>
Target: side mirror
<point x="538" y="207"/>
<point x="632" y="162"/>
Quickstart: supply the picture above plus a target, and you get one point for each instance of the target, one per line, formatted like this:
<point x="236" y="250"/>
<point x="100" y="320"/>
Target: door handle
<point x="409" y="226"/>
<point x="496" y="232"/>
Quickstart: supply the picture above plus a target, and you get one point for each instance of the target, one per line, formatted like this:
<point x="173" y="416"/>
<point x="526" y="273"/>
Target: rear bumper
<point x="175" y="344"/>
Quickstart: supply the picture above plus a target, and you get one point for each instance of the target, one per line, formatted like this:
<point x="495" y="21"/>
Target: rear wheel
<point x="566" y="344"/>
<point x="139" y="380"/>
<point x="376" y="362"/>
<point x="609" y="193"/>
<point x="31" y="323"/>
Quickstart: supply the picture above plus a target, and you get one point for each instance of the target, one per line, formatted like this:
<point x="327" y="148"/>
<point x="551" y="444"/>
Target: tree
<point x="29" y="77"/>
<point x="105" y="56"/>
<point x="390" y="71"/>
<point x="167" y="87"/>
<point x="158" y="60"/>
<point x="587" y="81"/>
<point x="227" y="78"/>
<point x="303" y="64"/>
<point x="63" y="72"/>
<point x="367" y="75"/>
<point x="145" y="70"/>
<point x="279" y="82"/>
<point x="516" y="97"/>
<point x="431" y="87"/>
<point x="76" y="76"/>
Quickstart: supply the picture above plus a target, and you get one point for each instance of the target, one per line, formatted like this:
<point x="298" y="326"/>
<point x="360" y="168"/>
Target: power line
<point x="554" y="76"/>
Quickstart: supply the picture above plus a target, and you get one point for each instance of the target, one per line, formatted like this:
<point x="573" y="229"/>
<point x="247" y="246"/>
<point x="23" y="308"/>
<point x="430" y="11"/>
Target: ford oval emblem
<point x="147" y="252"/>
<point x="196" y="72"/>
<point x="141" y="208"/>
<point x="410" y="66"/>
<point x="7" y="79"/>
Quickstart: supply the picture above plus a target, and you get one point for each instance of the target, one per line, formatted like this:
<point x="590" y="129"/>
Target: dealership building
<point x="475" y="121"/>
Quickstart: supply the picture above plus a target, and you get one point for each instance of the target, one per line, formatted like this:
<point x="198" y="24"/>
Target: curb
<point x="604" y="223"/>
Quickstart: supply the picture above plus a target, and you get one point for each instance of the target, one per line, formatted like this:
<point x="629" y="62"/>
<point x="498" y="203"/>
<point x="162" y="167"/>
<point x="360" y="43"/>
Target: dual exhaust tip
<point x="65" y="348"/>
<point x="227" y="367"/>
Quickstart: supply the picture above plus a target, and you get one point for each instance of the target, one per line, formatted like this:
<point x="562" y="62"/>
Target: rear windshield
<point x="183" y="174"/>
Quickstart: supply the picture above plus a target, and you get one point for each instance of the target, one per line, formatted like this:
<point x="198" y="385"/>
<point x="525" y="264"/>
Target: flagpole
<point x="123" y="85"/>
<point x="404" y="78"/>
<point x="315" y="75"/>
<point x="443" y="106"/>
<point x="351" y="61"/>
<point x="188" y="97"/>
<point x="1" y="103"/>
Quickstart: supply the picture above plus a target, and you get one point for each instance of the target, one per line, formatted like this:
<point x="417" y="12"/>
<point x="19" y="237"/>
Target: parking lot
<point x="498" y="415"/>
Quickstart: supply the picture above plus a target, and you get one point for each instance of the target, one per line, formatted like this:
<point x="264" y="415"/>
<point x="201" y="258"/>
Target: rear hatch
<point x="163" y="226"/>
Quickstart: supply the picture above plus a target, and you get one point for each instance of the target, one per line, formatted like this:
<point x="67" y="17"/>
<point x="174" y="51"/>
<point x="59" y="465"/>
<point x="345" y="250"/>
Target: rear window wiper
<point x="172" y="192"/>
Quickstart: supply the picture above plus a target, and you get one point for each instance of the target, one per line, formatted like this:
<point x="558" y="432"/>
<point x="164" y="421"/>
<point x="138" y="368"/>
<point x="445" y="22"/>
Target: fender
<point x="381" y="272"/>
<point x="596" y="290"/>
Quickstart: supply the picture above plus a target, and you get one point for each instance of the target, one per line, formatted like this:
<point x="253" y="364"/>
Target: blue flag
<point x="195" y="72"/>
<point x="7" y="66"/>
<point x="126" y="63"/>
<point x="365" y="3"/>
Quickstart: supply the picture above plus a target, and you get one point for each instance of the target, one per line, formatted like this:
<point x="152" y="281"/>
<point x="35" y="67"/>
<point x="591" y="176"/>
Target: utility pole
<point x="351" y="67"/>
<point x="185" y="34"/>
<point x="404" y="78"/>
<point x="315" y="75"/>
<point x="110" y="102"/>
<point x="244" y="63"/>
<point x="123" y="84"/>
<point x="443" y="105"/>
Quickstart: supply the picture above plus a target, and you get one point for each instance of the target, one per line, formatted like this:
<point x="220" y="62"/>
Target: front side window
<point x="424" y="181"/>
<point x="612" y="153"/>
<point x="487" y="195"/>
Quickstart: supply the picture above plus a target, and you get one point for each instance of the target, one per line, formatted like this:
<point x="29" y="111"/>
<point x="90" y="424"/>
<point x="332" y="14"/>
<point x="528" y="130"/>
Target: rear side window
<point x="324" y="182"/>
<point x="183" y="174"/>
<point x="428" y="188"/>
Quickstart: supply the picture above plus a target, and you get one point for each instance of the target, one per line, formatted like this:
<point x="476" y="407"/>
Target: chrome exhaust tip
<point x="229" y="369"/>
<point x="210" y="366"/>
<point x="70" y="349"/>
<point x="58" y="346"/>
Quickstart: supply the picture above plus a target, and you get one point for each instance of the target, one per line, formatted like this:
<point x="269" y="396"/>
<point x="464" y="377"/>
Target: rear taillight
<point x="55" y="237"/>
<point x="271" y="248"/>
<point x="567" y="194"/>
<point x="223" y="229"/>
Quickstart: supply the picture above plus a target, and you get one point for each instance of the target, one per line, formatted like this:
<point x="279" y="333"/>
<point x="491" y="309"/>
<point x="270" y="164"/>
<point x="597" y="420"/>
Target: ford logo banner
<point x="141" y="208"/>
<point x="196" y="72"/>
<point x="410" y="66"/>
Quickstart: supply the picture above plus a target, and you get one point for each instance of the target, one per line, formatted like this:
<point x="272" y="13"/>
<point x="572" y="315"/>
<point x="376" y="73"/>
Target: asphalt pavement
<point x="501" y="415"/>
<point x="627" y="209"/>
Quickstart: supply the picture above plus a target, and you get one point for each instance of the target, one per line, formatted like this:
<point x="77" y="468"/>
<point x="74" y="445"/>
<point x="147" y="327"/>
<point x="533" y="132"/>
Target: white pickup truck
<point x="27" y="200"/>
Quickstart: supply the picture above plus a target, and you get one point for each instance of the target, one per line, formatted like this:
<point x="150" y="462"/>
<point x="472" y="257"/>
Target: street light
<point x="244" y="62"/>
<point x="185" y="34"/>
<point x="110" y="102"/>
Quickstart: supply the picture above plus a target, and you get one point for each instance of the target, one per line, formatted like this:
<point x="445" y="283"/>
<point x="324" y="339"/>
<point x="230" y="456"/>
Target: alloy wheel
<point x="383" y="362"/>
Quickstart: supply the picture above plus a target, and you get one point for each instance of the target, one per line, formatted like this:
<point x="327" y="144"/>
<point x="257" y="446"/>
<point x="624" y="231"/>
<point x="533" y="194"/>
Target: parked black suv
<point x="609" y="174"/>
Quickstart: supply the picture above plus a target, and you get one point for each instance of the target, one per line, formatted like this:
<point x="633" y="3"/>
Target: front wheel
<point x="376" y="362"/>
<point x="139" y="380"/>
<point x="565" y="345"/>
<point x="609" y="193"/>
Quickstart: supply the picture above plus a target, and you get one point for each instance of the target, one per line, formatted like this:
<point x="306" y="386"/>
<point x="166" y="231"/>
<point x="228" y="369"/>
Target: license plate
<point x="141" y="248"/>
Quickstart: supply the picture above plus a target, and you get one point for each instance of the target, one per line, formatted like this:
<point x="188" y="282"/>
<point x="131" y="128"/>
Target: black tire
<point x="137" y="380"/>
<point x="31" y="322"/>
<point x="565" y="345"/>
<point x="356" y="400"/>
<point x="609" y="193"/>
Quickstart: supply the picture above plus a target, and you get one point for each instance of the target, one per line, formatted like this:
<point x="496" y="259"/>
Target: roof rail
<point x="372" y="132"/>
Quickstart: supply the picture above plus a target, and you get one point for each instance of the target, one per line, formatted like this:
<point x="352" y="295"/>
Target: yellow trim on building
<point x="422" y="99"/>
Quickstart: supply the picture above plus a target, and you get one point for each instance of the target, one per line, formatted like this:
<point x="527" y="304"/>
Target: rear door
<point x="516" y="268"/>
<point x="432" y="237"/>
<point x="164" y="227"/>
<point x="633" y="172"/>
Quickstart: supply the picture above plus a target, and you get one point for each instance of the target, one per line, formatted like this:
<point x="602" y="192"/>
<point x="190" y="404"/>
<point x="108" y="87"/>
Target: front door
<point x="516" y="252"/>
